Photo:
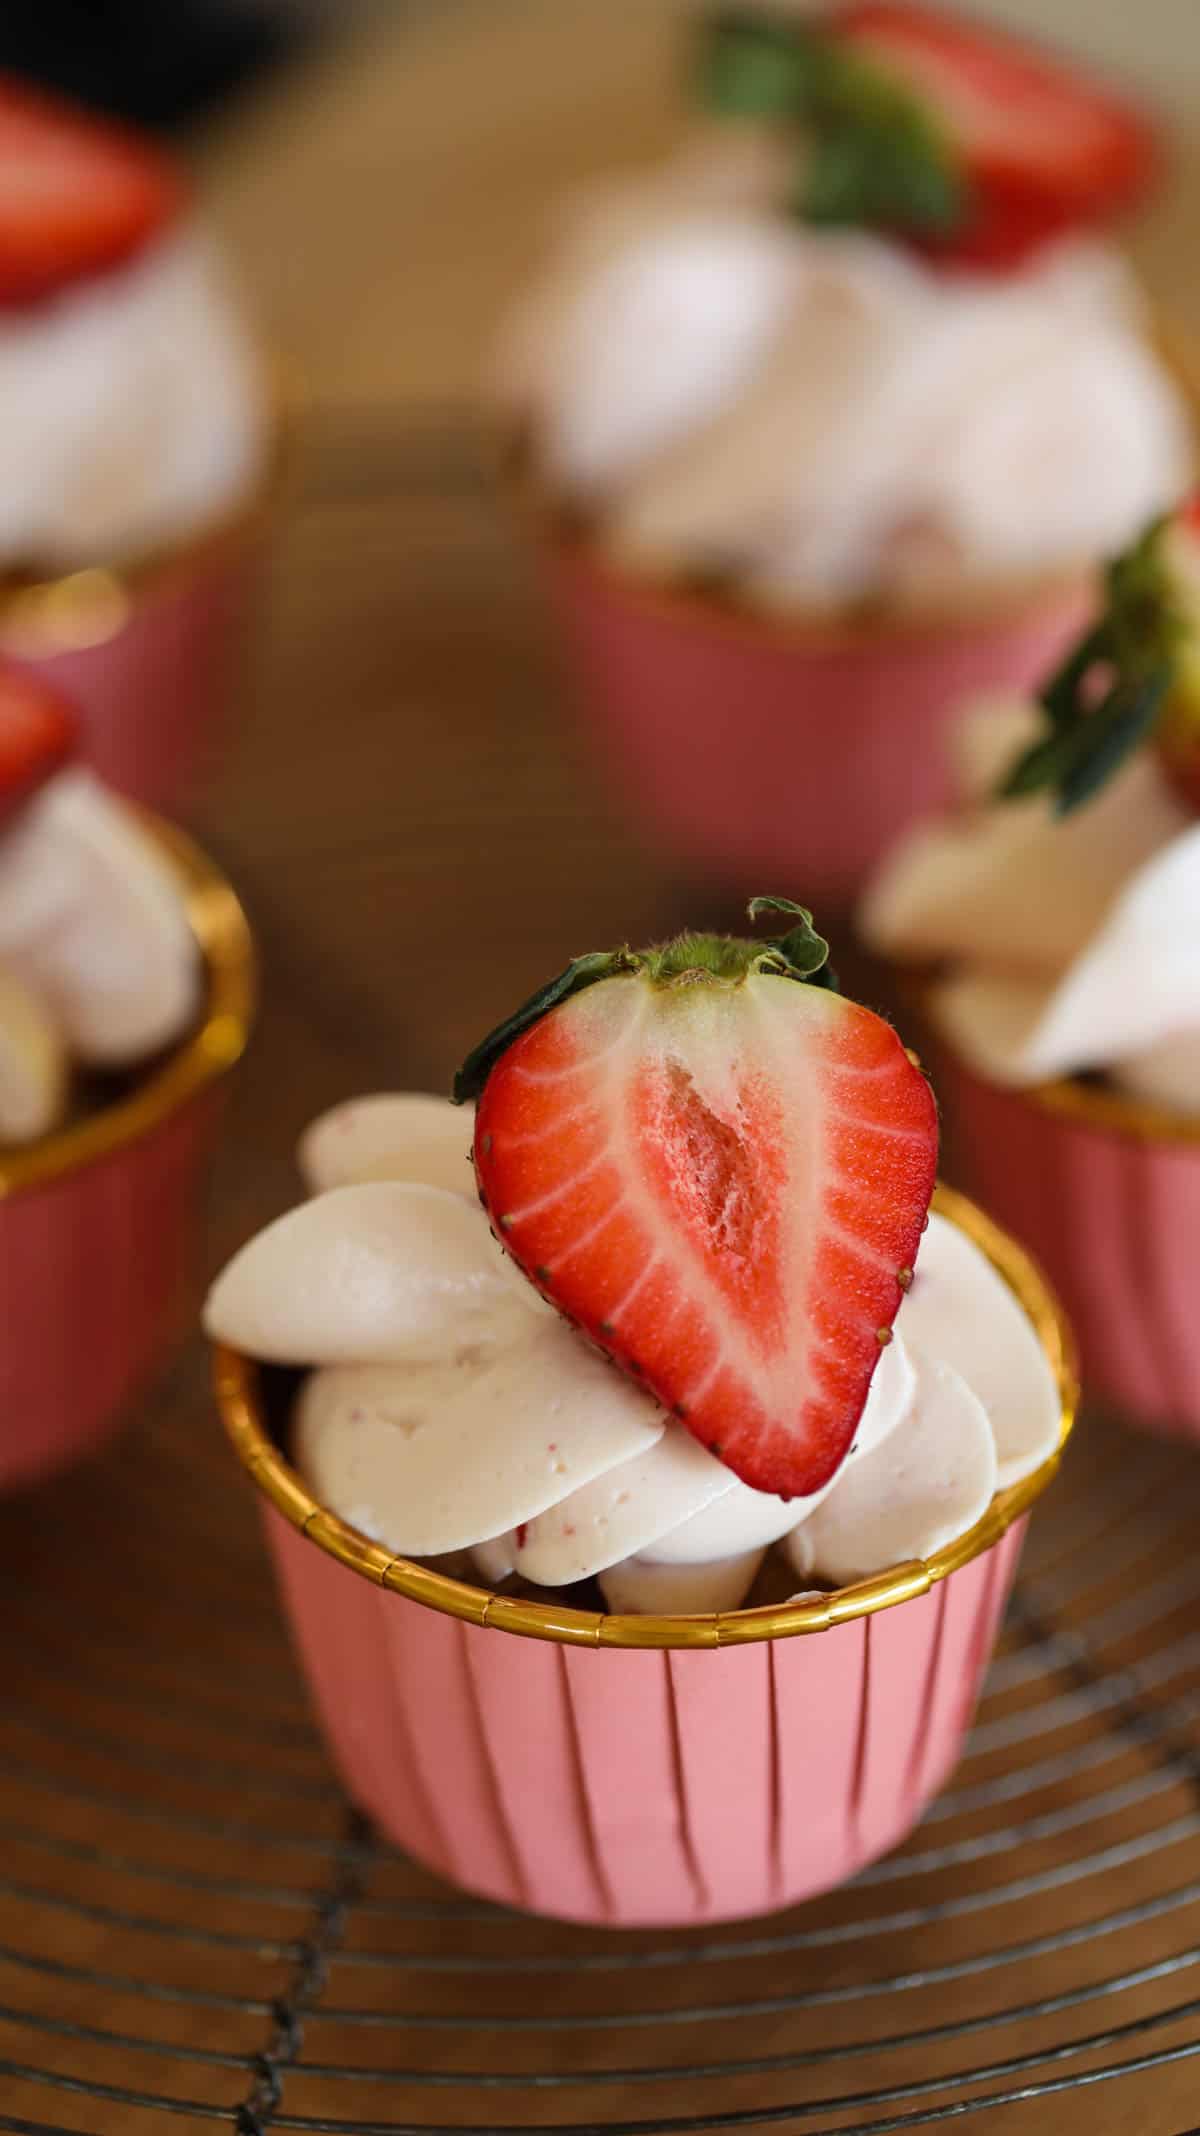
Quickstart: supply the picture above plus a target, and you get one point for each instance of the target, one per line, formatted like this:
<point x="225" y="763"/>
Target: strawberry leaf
<point x="1121" y="724"/>
<point x="1061" y="694"/>
<point x="802" y="950"/>
<point x="581" y="972"/>
<point x="878" y="158"/>
<point x="869" y="151"/>
<point x="800" y="954"/>
<point x="751" y="67"/>
<point x="1110" y="692"/>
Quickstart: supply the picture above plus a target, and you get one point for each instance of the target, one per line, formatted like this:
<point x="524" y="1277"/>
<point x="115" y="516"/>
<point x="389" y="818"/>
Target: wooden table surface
<point x="419" y="837"/>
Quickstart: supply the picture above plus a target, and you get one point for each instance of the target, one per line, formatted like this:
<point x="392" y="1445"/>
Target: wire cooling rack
<point x="194" y="1926"/>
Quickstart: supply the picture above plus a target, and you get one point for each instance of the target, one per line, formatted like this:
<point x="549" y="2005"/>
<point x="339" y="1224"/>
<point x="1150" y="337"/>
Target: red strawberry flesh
<point x="78" y="195"/>
<point x="722" y="1183"/>
<point x="37" y="737"/>
<point x="1046" y="148"/>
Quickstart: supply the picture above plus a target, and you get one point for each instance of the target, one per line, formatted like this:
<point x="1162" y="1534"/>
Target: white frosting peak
<point x="1074" y="941"/>
<point x="1012" y="885"/>
<point x="638" y="1586"/>
<point x="453" y="1412"/>
<point x="392" y="1136"/>
<point x="910" y="1500"/>
<point x="382" y="1273"/>
<point x="132" y="412"/>
<point x="438" y="1456"/>
<point x="97" y="957"/>
<point x="962" y="1312"/>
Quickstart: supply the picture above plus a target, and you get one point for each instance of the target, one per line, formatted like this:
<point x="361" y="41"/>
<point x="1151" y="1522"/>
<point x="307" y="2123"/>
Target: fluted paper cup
<point x="147" y="651"/>
<point x="97" y="1219"/>
<point x="785" y="750"/>
<point x="1105" y="1191"/>
<point x="642" y="1770"/>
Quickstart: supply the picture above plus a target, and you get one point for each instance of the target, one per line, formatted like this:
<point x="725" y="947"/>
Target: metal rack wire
<point x="198" y="1928"/>
<point x="194" y="1926"/>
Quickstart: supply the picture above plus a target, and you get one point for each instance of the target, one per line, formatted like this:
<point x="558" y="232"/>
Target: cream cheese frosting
<point x="448" y="1413"/>
<point x="133" y="411"/>
<point x="1072" y="944"/>
<point x="98" y="963"/>
<point x="817" y="415"/>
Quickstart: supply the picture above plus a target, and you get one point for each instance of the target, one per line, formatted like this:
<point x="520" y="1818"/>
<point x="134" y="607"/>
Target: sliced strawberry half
<point x="78" y="195"/>
<point x="38" y="735"/>
<point x="720" y="1171"/>
<point x="1045" y="149"/>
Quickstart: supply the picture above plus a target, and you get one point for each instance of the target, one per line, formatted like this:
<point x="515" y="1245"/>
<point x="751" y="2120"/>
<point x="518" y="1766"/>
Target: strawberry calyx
<point x="873" y="154"/>
<point x="962" y="142"/>
<point x="800" y="954"/>
<point x="1133" y="675"/>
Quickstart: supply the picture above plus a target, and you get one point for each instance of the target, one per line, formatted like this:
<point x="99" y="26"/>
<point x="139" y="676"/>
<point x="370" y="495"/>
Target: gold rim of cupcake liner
<point x="1108" y="1111"/>
<point x="223" y="936"/>
<point x="75" y="611"/>
<point x="236" y="1380"/>
<point x="1098" y="1106"/>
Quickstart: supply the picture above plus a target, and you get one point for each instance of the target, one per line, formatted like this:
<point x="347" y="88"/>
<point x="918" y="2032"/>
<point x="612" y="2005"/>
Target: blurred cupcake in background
<point x="136" y="440"/>
<point x="125" y="987"/>
<point x="1058" y="909"/>
<point x="828" y="420"/>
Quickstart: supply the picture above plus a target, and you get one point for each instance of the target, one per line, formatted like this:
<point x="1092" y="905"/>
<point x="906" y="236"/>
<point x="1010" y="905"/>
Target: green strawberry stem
<point x="1110" y="693"/>
<point x="800" y="954"/>
<point x="869" y="152"/>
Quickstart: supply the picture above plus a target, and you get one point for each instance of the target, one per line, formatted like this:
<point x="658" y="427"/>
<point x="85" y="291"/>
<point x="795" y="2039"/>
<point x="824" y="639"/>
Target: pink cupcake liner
<point x="1108" y="1200"/>
<point x="97" y="1220"/>
<point x="774" y="752"/>
<point x="643" y="1770"/>
<point x="94" y="1271"/>
<point x="152" y="685"/>
<point x="625" y="1788"/>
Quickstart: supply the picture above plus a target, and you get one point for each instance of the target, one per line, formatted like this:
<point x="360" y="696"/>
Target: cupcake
<point x="829" y="420"/>
<point x="703" y="1374"/>
<point x="135" y="441"/>
<point x="124" y="998"/>
<point x="1059" y="910"/>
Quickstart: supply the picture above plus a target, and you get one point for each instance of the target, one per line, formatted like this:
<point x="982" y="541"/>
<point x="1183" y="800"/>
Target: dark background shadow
<point x="160" y="62"/>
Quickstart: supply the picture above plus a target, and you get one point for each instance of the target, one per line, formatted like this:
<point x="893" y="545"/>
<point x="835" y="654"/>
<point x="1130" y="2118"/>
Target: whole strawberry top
<point x="719" y="1169"/>
<point x="965" y="142"/>
<point x="79" y="195"/>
